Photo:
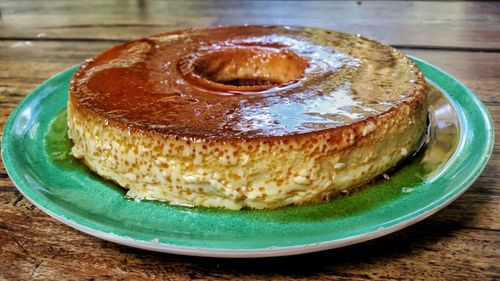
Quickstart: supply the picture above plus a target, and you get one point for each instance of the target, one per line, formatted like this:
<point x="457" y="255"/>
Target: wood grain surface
<point x="461" y="242"/>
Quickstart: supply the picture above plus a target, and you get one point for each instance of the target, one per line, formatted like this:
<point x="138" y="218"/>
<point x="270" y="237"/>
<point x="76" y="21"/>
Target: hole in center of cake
<point x="246" y="68"/>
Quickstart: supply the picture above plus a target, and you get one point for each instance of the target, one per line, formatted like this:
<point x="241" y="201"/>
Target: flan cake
<point x="246" y="116"/>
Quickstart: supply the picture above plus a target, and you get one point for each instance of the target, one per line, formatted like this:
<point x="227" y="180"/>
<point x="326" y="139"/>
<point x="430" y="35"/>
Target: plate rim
<point x="416" y="216"/>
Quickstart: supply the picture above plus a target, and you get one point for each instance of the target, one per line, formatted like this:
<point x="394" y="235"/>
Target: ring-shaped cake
<point x="246" y="116"/>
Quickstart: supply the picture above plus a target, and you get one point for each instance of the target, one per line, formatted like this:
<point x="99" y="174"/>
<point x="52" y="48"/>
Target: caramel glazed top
<point x="244" y="82"/>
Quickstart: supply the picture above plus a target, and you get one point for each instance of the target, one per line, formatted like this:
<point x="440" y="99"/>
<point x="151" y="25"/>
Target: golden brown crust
<point x="208" y="118"/>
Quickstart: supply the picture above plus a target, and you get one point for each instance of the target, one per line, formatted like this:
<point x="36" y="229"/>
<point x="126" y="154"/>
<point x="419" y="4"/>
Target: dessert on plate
<point x="246" y="116"/>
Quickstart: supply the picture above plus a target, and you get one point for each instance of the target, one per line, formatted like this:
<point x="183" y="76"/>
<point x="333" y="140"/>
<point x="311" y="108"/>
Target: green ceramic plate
<point x="35" y="152"/>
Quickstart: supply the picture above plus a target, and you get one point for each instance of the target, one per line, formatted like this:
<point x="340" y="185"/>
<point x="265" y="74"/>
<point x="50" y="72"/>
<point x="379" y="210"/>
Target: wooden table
<point x="461" y="242"/>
